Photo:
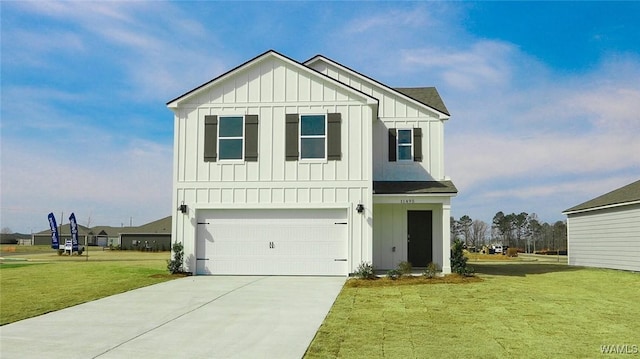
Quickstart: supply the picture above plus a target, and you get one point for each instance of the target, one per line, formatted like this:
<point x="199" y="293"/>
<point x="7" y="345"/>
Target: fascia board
<point x="172" y="104"/>
<point x="600" y="207"/>
<point x="441" y="115"/>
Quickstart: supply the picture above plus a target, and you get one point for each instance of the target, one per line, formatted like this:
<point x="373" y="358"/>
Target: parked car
<point x="497" y="249"/>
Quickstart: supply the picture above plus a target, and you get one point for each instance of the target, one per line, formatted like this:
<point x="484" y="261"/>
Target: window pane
<point x="404" y="153"/>
<point x="404" y="137"/>
<point x="230" y="149"/>
<point x="312" y="148"/>
<point x="231" y="126"/>
<point x="312" y="125"/>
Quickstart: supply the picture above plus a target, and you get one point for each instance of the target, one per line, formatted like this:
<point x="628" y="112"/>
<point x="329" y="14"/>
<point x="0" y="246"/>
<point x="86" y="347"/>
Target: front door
<point x="419" y="238"/>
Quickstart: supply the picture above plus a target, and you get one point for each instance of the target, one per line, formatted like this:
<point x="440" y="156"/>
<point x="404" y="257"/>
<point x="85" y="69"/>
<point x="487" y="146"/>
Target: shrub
<point x="175" y="264"/>
<point x="394" y="274"/>
<point x="512" y="252"/>
<point x="431" y="270"/>
<point x="458" y="260"/>
<point x="365" y="271"/>
<point x="404" y="268"/>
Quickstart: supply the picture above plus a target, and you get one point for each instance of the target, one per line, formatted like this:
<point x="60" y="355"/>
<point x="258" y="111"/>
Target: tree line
<point x="523" y="231"/>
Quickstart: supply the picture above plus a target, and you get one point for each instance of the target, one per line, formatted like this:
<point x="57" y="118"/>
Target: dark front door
<point x="419" y="238"/>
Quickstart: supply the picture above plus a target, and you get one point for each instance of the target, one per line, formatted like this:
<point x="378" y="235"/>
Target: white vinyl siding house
<point x="605" y="231"/>
<point x="272" y="159"/>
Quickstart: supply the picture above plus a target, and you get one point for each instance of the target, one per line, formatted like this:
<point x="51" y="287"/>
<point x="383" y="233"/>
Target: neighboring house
<point x="288" y="168"/>
<point x="605" y="231"/>
<point x="154" y="235"/>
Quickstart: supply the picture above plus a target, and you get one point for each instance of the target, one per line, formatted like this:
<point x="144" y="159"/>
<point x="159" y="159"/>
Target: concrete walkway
<point x="192" y="317"/>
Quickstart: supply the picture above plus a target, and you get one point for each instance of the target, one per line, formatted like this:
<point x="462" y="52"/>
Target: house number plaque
<point x="404" y="201"/>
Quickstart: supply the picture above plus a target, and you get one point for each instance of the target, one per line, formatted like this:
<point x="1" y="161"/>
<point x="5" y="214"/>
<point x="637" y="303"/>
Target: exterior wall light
<point x="182" y="208"/>
<point x="360" y="208"/>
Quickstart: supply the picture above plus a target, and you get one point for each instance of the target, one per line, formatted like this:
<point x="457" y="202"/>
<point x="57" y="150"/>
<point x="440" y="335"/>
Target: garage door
<point x="272" y="242"/>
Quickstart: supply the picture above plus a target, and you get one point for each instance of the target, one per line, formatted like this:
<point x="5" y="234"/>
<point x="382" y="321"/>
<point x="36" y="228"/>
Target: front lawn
<point x="520" y="309"/>
<point x="34" y="284"/>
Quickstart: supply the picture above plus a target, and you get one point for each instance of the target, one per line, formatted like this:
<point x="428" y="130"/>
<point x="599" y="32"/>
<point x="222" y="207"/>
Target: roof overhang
<point x="425" y="188"/>
<point x="441" y="115"/>
<point x="175" y="103"/>
<point x="615" y="205"/>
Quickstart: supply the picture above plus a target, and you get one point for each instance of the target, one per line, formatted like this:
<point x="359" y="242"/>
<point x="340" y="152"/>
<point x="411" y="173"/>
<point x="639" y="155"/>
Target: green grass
<point x="520" y="309"/>
<point x="35" y="284"/>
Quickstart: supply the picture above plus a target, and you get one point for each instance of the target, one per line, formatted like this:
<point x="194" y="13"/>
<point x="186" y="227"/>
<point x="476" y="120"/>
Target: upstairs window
<point x="313" y="136"/>
<point x="405" y="145"/>
<point x="231" y="138"/>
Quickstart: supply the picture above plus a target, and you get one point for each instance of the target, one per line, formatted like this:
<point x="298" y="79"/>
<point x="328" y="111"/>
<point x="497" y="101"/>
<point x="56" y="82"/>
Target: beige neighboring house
<point x="605" y="231"/>
<point x="309" y="168"/>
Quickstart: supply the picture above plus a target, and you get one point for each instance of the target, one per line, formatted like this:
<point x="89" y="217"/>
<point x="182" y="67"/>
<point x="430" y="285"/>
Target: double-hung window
<point x="313" y="137"/>
<point x="405" y="145"/>
<point x="231" y="138"/>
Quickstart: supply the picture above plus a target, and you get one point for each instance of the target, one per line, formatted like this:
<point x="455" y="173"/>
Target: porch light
<point x="360" y="208"/>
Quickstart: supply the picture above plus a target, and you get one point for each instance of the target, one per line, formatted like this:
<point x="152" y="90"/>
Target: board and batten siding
<point x="272" y="88"/>
<point x="396" y="111"/>
<point x="607" y="238"/>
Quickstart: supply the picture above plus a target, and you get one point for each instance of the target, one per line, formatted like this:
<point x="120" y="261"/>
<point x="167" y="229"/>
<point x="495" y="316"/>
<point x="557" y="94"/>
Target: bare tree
<point x="478" y="232"/>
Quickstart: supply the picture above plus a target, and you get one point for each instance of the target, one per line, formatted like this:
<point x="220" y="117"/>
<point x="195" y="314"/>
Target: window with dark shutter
<point x="392" y="144"/>
<point x="210" y="138"/>
<point x="291" y="137"/>
<point x="417" y="144"/>
<point x="251" y="138"/>
<point x="334" y="137"/>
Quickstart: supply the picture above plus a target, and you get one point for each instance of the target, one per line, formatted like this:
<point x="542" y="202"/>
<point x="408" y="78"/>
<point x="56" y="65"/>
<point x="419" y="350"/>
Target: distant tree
<point x="535" y="228"/>
<point x="521" y="228"/>
<point x="504" y="226"/>
<point x="478" y="232"/>
<point x="465" y="228"/>
<point x="560" y="235"/>
<point x="6" y="230"/>
<point x="454" y="228"/>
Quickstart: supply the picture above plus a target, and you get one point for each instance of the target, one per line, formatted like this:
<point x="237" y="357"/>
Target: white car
<point x="497" y="248"/>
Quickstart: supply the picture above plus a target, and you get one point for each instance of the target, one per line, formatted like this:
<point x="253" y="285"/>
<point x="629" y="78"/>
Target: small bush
<point x="175" y="264"/>
<point x="458" y="260"/>
<point x="431" y="270"/>
<point x="394" y="274"/>
<point x="365" y="271"/>
<point x="404" y="268"/>
<point x="512" y="252"/>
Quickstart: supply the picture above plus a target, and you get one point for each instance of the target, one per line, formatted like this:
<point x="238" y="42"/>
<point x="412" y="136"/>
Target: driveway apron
<point x="192" y="317"/>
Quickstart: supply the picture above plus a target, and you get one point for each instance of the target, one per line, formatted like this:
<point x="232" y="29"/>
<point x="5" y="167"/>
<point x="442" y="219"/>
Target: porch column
<point x="446" y="238"/>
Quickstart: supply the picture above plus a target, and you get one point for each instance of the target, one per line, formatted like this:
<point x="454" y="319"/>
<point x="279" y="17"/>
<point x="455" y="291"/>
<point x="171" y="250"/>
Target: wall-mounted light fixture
<point x="182" y="208"/>
<point x="360" y="208"/>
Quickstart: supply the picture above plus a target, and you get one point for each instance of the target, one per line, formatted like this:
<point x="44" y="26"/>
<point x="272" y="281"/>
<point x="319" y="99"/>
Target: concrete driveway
<point x="192" y="317"/>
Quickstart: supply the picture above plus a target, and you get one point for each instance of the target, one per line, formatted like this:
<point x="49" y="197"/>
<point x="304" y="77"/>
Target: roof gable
<point x="621" y="196"/>
<point x="422" y="96"/>
<point x="271" y="54"/>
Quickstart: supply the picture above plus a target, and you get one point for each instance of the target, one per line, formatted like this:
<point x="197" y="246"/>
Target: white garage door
<point x="272" y="242"/>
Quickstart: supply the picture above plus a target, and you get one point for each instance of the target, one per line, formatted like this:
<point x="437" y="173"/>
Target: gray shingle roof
<point x="413" y="187"/>
<point x="628" y="193"/>
<point x="426" y="95"/>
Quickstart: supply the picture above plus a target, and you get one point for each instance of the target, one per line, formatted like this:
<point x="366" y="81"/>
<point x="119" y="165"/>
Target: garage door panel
<point x="273" y="242"/>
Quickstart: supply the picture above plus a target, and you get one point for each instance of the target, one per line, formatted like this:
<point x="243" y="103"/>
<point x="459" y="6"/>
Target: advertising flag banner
<point x="74" y="231"/>
<point x="55" y="237"/>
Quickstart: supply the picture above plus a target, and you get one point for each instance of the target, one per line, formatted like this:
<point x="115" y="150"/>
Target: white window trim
<point x="220" y="117"/>
<point x="398" y="145"/>
<point x="326" y="119"/>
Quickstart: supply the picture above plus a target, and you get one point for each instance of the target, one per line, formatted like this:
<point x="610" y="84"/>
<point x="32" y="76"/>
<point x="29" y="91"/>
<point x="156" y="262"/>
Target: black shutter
<point x="334" y="140"/>
<point x="210" y="138"/>
<point x="251" y="138"/>
<point x="291" y="137"/>
<point x="417" y="144"/>
<point x="392" y="144"/>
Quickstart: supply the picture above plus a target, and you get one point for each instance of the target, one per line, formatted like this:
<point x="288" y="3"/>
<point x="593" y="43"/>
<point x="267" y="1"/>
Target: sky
<point x="544" y="96"/>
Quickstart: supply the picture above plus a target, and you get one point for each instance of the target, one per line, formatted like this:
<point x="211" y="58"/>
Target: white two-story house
<point x="289" y="168"/>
